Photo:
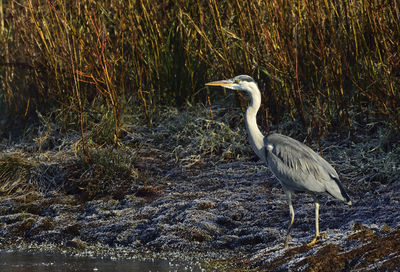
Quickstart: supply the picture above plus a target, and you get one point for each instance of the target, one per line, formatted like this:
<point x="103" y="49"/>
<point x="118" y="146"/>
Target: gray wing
<point x="299" y="168"/>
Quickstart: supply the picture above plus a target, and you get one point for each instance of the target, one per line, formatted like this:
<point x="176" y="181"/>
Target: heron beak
<point x="223" y="83"/>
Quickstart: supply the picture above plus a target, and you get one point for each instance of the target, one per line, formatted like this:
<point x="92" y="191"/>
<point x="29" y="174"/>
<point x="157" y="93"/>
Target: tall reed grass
<point x="325" y="63"/>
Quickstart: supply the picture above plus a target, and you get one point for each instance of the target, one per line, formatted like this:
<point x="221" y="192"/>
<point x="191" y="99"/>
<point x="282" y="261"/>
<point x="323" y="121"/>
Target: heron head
<point x="241" y="83"/>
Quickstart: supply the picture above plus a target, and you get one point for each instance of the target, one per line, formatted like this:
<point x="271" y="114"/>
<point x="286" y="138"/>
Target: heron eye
<point x="237" y="80"/>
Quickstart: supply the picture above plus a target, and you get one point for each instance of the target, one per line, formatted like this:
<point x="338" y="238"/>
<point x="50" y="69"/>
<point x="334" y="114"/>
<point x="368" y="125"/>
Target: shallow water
<point x="32" y="262"/>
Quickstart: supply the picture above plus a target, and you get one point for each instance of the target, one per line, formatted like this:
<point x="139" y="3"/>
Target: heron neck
<point x="256" y="138"/>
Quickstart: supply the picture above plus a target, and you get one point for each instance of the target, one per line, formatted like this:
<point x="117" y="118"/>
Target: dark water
<point x="32" y="262"/>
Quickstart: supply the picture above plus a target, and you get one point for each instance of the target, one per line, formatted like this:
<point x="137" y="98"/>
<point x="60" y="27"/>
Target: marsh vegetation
<point x="105" y="119"/>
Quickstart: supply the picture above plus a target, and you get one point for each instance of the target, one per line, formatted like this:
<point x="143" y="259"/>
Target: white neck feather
<point x="256" y="138"/>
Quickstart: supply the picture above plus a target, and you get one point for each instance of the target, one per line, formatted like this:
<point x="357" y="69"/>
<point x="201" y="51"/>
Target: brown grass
<point x="332" y="60"/>
<point x="14" y="173"/>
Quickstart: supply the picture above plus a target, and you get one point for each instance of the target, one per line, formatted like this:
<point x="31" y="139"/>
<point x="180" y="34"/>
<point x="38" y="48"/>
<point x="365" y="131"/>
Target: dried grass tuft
<point x="14" y="173"/>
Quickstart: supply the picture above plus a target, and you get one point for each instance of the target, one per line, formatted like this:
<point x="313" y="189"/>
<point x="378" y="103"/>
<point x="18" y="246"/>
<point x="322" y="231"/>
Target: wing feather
<point x="296" y="165"/>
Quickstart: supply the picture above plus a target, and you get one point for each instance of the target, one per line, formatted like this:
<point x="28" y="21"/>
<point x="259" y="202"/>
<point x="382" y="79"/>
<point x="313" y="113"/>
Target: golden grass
<point x="324" y="63"/>
<point x="14" y="174"/>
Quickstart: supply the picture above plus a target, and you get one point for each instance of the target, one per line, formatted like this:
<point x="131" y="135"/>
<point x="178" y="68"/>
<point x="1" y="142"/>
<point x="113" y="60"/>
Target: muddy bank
<point x="228" y="211"/>
<point x="192" y="189"/>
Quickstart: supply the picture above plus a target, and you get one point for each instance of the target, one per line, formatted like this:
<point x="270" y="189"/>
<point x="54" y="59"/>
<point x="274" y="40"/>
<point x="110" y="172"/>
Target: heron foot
<point x="287" y="241"/>
<point x="316" y="239"/>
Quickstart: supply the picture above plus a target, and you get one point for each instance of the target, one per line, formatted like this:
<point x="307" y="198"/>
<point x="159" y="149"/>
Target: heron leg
<point x="317" y="235"/>
<point x="291" y="211"/>
<point x="316" y="219"/>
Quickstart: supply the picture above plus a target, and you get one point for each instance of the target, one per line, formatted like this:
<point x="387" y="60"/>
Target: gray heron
<point x="297" y="167"/>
